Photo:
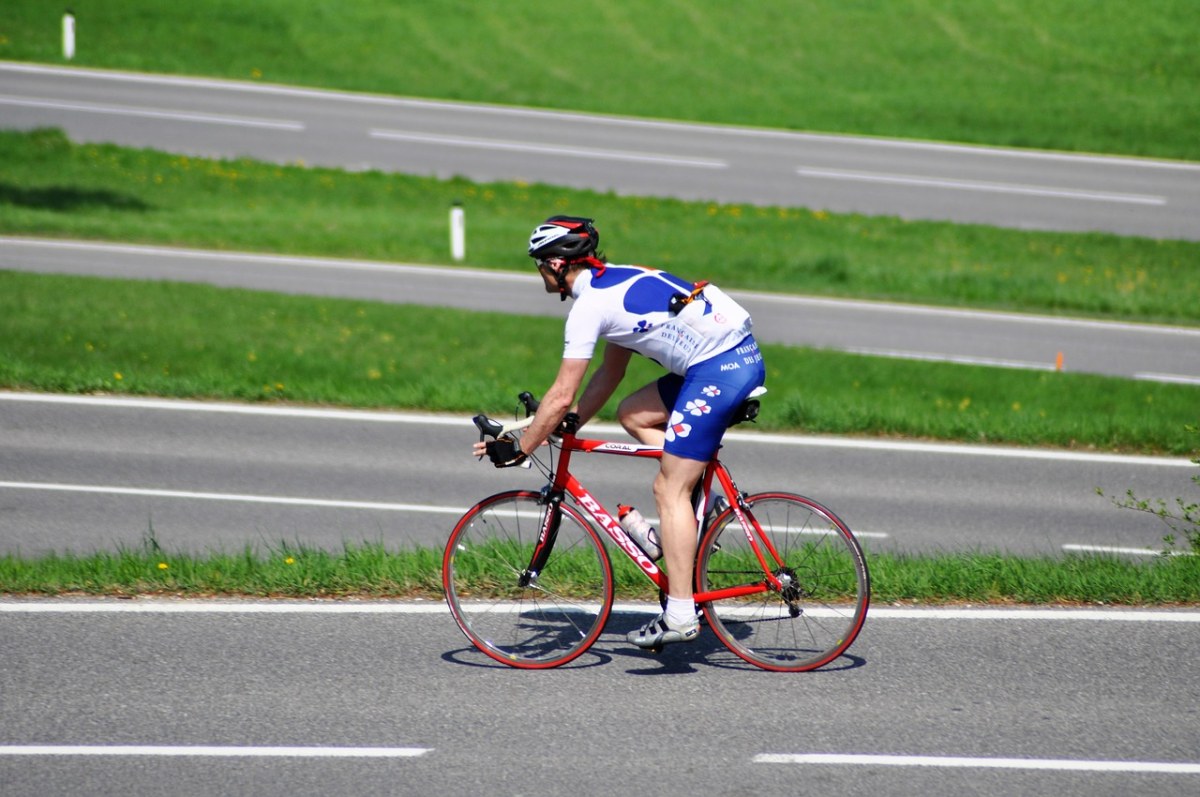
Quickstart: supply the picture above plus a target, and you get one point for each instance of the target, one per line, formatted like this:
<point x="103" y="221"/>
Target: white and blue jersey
<point x="628" y="306"/>
<point x="707" y="347"/>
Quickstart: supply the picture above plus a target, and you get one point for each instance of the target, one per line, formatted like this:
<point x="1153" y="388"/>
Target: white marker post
<point x="68" y="35"/>
<point x="458" y="232"/>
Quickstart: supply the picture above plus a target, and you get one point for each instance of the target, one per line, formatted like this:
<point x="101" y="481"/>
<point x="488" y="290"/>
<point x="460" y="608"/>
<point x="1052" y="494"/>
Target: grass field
<point x="1106" y="77"/>
<point x="371" y="571"/>
<point x="53" y="187"/>
<point x="77" y="334"/>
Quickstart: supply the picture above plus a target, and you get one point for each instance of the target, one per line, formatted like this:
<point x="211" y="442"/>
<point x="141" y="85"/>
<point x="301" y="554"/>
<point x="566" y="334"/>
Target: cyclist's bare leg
<point x="677" y="520"/>
<point x="644" y="416"/>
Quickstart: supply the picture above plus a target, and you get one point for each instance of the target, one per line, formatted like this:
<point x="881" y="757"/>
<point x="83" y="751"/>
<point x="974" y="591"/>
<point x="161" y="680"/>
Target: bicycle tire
<point x="827" y="585"/>
<point x="547" y="622"/>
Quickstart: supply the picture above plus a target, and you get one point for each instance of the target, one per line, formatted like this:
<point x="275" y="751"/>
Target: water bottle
<point x="640" y="530"/>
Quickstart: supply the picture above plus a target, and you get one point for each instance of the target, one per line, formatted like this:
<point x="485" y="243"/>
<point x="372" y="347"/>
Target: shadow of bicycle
<point x="613" y="647"/>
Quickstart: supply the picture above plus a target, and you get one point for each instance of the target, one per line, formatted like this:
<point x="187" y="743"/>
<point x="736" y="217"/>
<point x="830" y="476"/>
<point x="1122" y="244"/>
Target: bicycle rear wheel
<point x="826" y="588"/>
<point x="517" y="617"/>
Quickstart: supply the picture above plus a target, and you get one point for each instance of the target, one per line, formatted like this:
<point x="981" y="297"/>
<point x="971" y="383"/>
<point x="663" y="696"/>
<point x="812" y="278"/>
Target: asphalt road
<point x="197" y="698"/>
<point x="89" y="474"/>
<point x="910" y="179"/>
<point x="1140" y="351"/>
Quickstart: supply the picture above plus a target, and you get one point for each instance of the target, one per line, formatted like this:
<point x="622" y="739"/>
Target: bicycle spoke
<point x="512" y="615"/>
<point x="821" y="599"/>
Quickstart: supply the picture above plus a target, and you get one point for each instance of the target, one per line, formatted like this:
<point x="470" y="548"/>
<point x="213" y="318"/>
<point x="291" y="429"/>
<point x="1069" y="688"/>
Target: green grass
<point x="52" y="187"/>
<point x="1109" y="77"/>
<point x="81" y="334"/>
<point x="371" y="571"/>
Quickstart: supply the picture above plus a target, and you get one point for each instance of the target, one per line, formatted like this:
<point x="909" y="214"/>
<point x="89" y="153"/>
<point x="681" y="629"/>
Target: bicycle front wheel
<point x="821" y="602"/>
<point x="516" y="616"/>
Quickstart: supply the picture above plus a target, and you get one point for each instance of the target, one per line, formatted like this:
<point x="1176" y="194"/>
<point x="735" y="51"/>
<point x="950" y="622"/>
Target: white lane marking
<point x="220" y="751"/>
<point x="593" y="119"/>
<point x="547" y="149"/>
<point x="234" y="497"/>
<point x="1172" y="378"/>
<point x="973" y="185"/>
<point x="1026" y="365"/>
<point x="950" y="358"/>
<point x="290" y="501"/>
<point x="150" y="113"/>
<point x="948" y="312"/>
<point x="1110" y="549"/>
<point x="382" y="607"/>
<point x="360" y="416"/>
<point x="1062" y="765"/>
<point x="452" y="272"/>
<point x="441" y="272"/>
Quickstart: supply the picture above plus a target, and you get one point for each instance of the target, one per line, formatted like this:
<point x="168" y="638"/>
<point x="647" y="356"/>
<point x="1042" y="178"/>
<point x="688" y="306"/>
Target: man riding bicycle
<point x="696" y="332"/>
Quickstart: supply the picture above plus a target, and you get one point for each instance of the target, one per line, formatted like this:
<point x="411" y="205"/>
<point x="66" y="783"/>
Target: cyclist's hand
<point x="504" y="452"/>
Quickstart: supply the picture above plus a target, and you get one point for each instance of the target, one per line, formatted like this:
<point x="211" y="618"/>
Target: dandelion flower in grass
<point x="289" y="561"/>
<point x="163" y="565"/>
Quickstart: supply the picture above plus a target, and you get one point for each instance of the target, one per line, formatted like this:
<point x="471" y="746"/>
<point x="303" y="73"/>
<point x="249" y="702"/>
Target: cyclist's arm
<point x="604" y="381"/>
<point x="555" y="404"/>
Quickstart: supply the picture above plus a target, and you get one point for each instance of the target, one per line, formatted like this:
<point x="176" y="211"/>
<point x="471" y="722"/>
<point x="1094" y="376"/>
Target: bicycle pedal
<point x="657" y="649"/>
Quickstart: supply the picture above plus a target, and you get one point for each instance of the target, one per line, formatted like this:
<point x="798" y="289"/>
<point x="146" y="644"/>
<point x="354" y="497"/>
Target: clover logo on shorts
<point x="698" y="407"/>
<point x="676" y="427"/>
<point x="712" y="391"/>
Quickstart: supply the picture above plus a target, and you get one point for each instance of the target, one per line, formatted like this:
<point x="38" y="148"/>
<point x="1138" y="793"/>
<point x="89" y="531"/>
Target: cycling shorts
<point x="703" y="400"/>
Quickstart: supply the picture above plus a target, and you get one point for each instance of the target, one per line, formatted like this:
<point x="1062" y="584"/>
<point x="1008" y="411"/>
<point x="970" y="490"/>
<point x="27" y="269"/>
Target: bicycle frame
<point x="563" y="482"/>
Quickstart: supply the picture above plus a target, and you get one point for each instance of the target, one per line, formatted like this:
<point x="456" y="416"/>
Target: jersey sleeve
<point x="584" y="324"/>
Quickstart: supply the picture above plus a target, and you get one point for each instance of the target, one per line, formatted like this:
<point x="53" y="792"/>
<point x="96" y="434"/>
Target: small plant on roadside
<point x="1182" y="517"/>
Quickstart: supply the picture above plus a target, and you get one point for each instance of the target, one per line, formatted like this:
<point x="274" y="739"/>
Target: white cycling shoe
<point x="657" y="633"/>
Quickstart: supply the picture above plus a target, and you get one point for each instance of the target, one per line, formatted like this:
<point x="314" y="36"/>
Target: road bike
<point x="780" y="580"/>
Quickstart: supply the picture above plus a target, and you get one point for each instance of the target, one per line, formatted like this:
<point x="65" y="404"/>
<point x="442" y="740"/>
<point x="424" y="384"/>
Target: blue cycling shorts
<point x="703" y="400"/>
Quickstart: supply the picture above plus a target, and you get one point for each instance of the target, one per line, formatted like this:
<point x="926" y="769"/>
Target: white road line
<point x="367" y="416"/>
<point x="592" y="119"/>
<point x="1173" y="378"/>
<point x="383" y="607"/>
<point x="149" y="113"/>
<point x="949" y="358"/>
<point x="972" y="185"/>
<point x="448" y="272"/>
<point x="441" y="272"/>
<point x="1025" y="365"/>
<point x="290" y="501"/>
<point x="234" y="497"/>
<point x="1109" y="549"/>
<point x="1061" y="765"/>
<point x="547" y="149"/>
<point x="220" y="751"/>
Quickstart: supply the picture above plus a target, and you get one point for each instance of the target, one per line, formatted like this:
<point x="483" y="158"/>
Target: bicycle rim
<point x="826" y="586"/>
<point x="550" y="620"/>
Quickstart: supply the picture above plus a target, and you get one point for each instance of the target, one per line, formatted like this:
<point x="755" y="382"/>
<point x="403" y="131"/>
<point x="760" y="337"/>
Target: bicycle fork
<point x="552" y="498"/>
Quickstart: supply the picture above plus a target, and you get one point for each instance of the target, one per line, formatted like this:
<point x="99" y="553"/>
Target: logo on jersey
<point x="643" y="326"/>
<point x="698" y="407"/>
<point x="676" y="427"/>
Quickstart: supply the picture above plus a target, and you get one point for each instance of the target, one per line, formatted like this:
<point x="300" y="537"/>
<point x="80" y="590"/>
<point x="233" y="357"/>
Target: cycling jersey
<point x="629" y="306"/>
<point x="707" y="347"/>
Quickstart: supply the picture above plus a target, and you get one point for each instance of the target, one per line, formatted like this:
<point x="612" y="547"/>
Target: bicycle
<point x="780" y="579"/>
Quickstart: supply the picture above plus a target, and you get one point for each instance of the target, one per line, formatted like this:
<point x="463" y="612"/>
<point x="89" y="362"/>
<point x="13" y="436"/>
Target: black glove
<point x="504" y="452"/>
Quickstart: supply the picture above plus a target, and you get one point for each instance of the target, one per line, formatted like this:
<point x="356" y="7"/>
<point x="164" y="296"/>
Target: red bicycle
<point x="780" y="579"/>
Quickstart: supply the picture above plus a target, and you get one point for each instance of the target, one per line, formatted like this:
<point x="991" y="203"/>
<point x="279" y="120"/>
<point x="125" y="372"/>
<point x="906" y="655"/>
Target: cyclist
<point x="696" y="332"/>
